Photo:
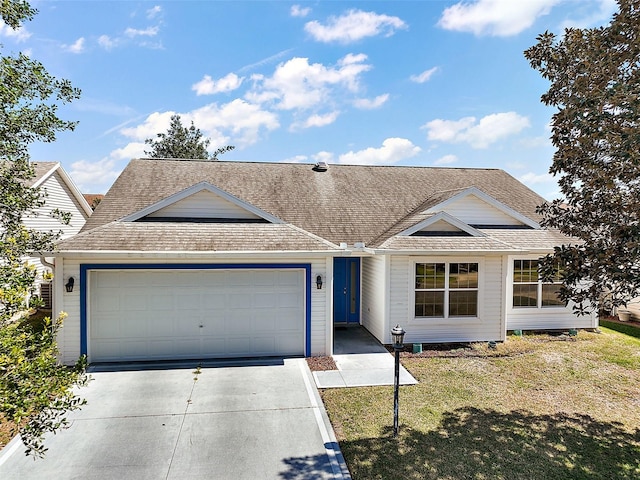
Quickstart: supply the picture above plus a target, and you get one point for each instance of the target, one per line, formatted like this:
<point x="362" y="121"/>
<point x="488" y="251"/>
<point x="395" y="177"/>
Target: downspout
<point x="44" y="262"/>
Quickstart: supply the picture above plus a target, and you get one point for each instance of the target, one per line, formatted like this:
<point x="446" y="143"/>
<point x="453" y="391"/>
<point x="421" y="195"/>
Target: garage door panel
<point x="264" y="300"/>
<point x="214" y="301"/>
<point x="288" y="300"/>
<point x="186" y="301"/>
<point x="267" y="321"/>
<point x="289" y="278"/>
<point x="159" y="314"/>
<point x="132" y="328"/>
<point x="134" y="299"/>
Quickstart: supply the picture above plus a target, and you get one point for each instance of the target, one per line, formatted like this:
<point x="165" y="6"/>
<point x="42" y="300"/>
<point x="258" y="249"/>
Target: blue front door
<point x="346" y="290"/>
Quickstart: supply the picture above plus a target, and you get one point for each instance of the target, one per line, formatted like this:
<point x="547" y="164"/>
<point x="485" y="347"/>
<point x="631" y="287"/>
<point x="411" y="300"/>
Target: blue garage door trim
<point x="86" y="267"/>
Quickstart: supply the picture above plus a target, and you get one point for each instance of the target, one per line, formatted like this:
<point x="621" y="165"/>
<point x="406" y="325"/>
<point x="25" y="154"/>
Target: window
<point x="444" y="290"/>
<point x="530" y="291"/>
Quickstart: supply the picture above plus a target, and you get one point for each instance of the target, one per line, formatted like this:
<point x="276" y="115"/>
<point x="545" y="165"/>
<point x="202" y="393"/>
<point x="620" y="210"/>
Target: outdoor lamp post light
<point x="397" y="335"/>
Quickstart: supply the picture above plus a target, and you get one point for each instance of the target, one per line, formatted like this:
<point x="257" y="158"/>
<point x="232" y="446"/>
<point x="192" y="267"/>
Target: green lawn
<point x="538" y="407"/>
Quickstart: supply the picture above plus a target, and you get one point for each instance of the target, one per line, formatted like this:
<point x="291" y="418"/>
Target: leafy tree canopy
<point x="34" y="389"/>
<point x="595" y="86"/>
<point x="182" y="142"/>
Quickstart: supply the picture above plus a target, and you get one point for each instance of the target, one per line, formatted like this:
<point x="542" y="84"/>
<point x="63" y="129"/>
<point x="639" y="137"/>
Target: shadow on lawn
<point x="484" y="444"/>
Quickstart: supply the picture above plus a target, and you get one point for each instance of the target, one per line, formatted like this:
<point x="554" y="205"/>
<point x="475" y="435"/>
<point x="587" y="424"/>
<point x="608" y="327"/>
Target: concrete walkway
<point x="362" y="362"/>
<point x="233" y="420"/>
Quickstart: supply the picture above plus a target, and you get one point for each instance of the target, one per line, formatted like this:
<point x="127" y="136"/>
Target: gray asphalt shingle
<point x="346" y="203"/>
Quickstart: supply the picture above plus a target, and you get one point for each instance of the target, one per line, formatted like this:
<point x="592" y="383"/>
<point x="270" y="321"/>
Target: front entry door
<point x="346" y="290"/>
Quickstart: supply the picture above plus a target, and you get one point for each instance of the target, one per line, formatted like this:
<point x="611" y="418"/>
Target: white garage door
<point x="180" y="314"/>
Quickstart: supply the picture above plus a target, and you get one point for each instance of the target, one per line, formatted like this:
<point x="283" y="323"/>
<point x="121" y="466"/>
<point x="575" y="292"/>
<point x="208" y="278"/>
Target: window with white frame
<point x="528" y="289"/>
<point x="445" y="290"/>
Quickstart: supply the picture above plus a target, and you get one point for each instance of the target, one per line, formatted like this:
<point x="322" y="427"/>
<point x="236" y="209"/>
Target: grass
<point x="538" y="406"/>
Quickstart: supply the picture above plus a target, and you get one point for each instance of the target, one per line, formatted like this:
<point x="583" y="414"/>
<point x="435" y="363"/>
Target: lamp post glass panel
<point x="397" y="335"/>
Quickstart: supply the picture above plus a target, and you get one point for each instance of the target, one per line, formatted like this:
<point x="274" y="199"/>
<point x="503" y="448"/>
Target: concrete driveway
<point x="246" y="421"/>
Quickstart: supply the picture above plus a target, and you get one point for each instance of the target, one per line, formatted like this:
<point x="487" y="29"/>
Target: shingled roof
<point x="345" y="203"/>
<point x="41" y="169"/>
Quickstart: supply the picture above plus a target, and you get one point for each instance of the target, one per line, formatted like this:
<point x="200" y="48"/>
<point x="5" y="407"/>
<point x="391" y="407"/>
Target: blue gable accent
<point x="86" y="267"/>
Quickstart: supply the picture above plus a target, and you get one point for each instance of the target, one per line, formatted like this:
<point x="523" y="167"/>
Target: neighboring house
<point x="62" y="194"/>
<point x="196" y="259"/>
<point x="93" y="199"/>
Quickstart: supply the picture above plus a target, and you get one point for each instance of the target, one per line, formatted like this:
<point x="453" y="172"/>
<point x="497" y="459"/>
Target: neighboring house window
<point x="530" y="291"/>
<point x="444" y="290"/>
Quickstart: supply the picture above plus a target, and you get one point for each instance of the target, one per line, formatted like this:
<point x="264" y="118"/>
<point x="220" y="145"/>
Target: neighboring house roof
<point x="92" y="197"/>
<point x="44" y="170"/>
<point x="345" y="203"/>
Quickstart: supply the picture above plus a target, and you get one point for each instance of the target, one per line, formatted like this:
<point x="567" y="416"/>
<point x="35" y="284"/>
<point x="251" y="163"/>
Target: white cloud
<point x="20" y="34"/>
<point x="393" y="150"/>
<point x="209" y="86"/>
<point x="153" y="12"/>
<point x="76" y="47"/>
<point x="480" y="134"/>
<point x="424" y="76"/>
<point x="354" y="25"/>
<point x="147" y="32"/>
<point x="447" y="130"/>
<point x="238" y="123"/>
<point x="317" y="120"/>
<point x="501" y="18"/>
<point x="296" y="84"/>
<point x="446" y="160"/>
<point x="531" y="178"/>
<point x="129" y="151"/>
<point x="371" y="103"/>
<point x="323" y="156"/>
<point x="97" y="176"/>
<point x="106" y="42"/>
<point x="298" y="11"/>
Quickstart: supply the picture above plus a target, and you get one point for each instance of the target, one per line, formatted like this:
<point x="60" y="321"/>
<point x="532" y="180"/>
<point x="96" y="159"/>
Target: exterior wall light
<point x="319" y="282"/>
<point x="69" y="284"/>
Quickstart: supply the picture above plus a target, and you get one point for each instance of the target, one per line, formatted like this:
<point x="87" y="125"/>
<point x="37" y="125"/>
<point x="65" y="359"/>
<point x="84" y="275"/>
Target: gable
<point x="441" y="224"/>
<point x="474" y="207"/>
<point x="202" y="202"/>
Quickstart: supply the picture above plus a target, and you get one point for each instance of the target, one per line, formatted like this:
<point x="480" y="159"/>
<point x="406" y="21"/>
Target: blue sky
<point x="432" y="83"/>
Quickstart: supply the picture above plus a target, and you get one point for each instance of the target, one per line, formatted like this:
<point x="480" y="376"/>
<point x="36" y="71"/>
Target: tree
<point x="595" y="85"/>
<point x="34" y="390"/>
<point x="182" y="142"/>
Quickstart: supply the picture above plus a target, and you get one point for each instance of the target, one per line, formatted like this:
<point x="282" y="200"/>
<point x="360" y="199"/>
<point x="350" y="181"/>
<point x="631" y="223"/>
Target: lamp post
<point x="397" y="335"/>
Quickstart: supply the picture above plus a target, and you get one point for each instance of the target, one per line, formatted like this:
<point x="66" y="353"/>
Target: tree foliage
<point x="595" y="85"/>
<point x="182" y="142"/>
<point x="33" y="387"/>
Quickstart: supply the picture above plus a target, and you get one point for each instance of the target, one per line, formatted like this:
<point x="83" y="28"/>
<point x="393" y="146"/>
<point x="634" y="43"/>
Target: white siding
<point x="399" y="284"/>
<point x="544" y="318"/>
<point x="474" y="211"/>
<point x="374" y="295"/>
<point x="204" y="204"/>
<point x="488" y="324"/>
<point x="58" y="196"/>
<point x="69" y="338"/>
